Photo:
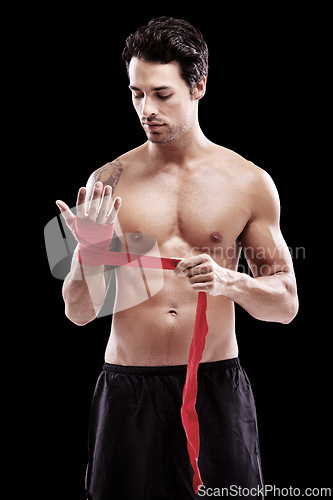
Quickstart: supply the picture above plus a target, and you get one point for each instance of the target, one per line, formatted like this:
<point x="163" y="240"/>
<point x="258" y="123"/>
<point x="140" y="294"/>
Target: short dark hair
<point x="166" y="39"/>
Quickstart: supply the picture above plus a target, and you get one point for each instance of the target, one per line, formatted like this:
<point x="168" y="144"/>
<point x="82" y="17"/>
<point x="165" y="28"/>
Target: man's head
<point x="164" y="40"/>
<point x="167" y="64"/>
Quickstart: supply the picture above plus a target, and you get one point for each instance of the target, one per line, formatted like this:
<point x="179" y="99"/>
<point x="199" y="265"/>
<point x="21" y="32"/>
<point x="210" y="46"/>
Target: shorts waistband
<point x="224" y="364"/>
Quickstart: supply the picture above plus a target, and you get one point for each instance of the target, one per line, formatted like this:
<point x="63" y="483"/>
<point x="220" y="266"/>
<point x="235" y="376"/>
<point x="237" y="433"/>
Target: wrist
<point x="235" y="284"/>
<point x="91" y="270"/>
<point x="94" y="241"/>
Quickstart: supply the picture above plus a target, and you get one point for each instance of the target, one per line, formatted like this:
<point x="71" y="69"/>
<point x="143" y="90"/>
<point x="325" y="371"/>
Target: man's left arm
<point x="270" y="294"/>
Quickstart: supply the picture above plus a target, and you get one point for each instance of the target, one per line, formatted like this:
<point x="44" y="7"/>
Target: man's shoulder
<point x="228" y="161"/>
<point x="110" y="172"/>
<point x="244" y="177"/>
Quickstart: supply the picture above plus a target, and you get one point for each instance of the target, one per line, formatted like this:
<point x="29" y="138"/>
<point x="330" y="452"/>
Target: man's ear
<point x="199" y="89"/>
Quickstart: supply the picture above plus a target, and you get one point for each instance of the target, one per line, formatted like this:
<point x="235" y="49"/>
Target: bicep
<point x="265" y="249"/>
<point x="262" y="241"/>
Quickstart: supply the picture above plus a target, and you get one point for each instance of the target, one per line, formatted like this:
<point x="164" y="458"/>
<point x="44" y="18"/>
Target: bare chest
<point x="202" y="210"/>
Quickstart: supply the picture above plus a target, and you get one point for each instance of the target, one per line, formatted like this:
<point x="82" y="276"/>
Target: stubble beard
<point x="169" y="134"/>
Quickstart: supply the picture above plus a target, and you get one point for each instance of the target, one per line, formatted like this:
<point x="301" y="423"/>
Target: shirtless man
<point x="202" y="203"/>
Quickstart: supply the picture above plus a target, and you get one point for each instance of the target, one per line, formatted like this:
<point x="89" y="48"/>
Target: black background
<point x="257" y="104"/>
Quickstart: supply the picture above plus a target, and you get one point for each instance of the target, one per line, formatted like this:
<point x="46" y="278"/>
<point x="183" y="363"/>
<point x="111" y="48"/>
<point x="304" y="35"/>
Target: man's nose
<point x="148" y="107"/>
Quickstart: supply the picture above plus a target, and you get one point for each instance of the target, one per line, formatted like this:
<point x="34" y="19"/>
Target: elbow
<point x="290" y="300"/>
<point x="79" y="308"/>
<point x="290" y="309"/>
<point x="78" y="318"/>
<point x="289" y="316"/>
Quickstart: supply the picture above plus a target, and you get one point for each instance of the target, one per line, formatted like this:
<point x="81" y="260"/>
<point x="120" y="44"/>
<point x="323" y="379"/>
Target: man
<point x="201" y="203"/>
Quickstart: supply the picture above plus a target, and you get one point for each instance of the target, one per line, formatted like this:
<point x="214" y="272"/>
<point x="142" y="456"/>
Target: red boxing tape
<point x="188" y="412"/>
<point x="94" y="241"/>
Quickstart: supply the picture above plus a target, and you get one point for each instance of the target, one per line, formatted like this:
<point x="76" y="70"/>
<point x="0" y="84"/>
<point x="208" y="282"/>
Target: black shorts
<point x="137" y="445"/>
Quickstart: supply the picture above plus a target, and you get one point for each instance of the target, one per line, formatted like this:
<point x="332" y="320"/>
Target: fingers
<point x="95" y="201"/>
<point x="81" y="203"/>
<point x="200" y="272"/>
<point x="112" y="215"/>
<point x="198" y="269"/>
<point x="194" y="266"/>
<point x="100" y="209"/>
<point x="104" y="206"/>
<point x="107" y="210"/>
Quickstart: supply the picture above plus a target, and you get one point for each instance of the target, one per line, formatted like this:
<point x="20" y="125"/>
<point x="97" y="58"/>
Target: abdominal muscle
<point x="158" y="330"/>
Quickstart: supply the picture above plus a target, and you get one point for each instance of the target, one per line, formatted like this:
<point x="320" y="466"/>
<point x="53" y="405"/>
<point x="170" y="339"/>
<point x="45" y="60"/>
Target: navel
<point x="173" y="312"/>
<point x="216" y="237"/>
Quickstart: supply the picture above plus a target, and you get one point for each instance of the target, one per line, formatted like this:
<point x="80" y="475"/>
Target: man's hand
<point x="85" y="286"/>
<point x="94" y="224"/>
<point x="99" y="209"/>
<point x="205" y="275"/>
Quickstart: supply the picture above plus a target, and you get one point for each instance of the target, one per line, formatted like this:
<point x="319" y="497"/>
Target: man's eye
<point x="164" y="96"/>
<point x="138" y="96"/>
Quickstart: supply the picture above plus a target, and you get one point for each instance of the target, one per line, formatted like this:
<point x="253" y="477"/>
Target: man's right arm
<point x="85" y="287"/>
<point x="84" y="291"/>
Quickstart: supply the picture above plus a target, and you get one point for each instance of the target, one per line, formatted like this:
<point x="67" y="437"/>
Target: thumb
<point x="66" y="213"/>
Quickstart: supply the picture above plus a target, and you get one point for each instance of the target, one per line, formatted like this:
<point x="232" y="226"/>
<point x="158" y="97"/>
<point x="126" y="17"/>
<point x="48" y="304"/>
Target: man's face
<point x="162" y="99"/>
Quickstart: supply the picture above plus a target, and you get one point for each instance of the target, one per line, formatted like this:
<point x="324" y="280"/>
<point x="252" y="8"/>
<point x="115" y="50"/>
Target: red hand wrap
<point x="93" y="239"/>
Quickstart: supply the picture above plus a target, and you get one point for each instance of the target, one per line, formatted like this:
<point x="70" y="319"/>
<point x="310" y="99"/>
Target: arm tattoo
<point x="110" y="173"/>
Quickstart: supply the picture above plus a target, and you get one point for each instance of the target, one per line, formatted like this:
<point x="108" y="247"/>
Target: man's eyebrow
<point x="163" y="87"/>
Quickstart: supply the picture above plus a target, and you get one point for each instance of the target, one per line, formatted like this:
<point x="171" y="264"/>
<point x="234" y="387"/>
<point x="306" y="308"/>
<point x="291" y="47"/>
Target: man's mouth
<point x="152" y="125"/>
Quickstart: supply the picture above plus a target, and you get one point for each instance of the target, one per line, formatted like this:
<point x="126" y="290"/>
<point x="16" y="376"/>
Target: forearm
<point x="267" y="298"/>
<point x="85" y="287"/>
<point x="84" y="292"/>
